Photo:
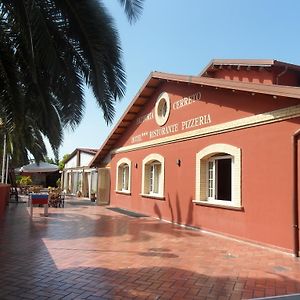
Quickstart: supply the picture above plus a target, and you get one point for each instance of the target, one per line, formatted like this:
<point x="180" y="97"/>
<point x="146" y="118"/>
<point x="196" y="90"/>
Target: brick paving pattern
<point x="90" y="252"/>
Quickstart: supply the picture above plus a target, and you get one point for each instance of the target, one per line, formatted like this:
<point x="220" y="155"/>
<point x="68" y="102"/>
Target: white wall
<point x="85" y="159"/>
<point x="71" y="163"/>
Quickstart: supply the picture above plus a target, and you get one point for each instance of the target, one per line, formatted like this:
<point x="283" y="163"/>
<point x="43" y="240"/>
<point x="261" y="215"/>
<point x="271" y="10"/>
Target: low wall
<point x="4" y="197"/>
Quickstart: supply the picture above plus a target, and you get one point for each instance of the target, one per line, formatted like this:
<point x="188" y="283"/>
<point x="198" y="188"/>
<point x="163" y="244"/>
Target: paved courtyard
<point x="90" y="252"/>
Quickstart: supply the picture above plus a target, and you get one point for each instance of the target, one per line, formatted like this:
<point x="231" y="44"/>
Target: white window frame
<point x="162" y="109"/>
<point x="121" y="180"/>
<point x="210" y="154"/>
<point x="211" y="181"/>
<point x="153" y="177"/>
<point x="212" y="189"/>
<point x="155" y="173"/>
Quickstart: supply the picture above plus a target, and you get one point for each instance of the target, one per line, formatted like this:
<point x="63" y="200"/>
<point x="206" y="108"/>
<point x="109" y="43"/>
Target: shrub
<point x="58" y="182"/>
<point x="25" y="180"/>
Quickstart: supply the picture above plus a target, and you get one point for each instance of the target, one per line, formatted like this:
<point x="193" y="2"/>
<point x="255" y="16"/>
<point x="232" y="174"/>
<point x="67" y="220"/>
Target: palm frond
<point x="133" y="9"/>
<point x="98" y="42"/>
<point x="48" y="50"/>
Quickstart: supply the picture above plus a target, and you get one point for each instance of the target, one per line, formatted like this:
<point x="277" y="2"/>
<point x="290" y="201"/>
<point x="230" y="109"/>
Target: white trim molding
<point x="147" y="161"/>
<point x="119" y="175"/>
<point x="162" y="109"/>
<point x="202" y="157"/>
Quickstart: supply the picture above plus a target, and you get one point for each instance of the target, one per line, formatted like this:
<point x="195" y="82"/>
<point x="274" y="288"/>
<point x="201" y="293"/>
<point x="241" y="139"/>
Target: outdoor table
<point x="38" y="198"/>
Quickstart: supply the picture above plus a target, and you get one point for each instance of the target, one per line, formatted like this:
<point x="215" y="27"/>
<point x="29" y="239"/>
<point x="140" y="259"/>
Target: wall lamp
<point x="178" y="162"/>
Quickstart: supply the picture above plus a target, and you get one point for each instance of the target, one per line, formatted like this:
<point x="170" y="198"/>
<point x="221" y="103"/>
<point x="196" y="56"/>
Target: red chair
<point x="39" y="199"/>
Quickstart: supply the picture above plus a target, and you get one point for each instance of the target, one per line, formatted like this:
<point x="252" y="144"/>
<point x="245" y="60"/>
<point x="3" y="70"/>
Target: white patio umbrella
<point x="42" y="167"/>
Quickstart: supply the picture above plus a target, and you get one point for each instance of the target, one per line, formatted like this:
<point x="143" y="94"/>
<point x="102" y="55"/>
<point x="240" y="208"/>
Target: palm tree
<point x="49" y="49"/>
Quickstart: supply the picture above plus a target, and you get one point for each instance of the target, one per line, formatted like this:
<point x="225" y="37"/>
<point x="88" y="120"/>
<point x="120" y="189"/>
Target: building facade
<point x="217" y="151"/>
<point x="77" y="177"/>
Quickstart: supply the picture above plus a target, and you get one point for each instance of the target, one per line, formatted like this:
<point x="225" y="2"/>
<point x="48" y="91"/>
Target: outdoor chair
<point x="38" y="199"/>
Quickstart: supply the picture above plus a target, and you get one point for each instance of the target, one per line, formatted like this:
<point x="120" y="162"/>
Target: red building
<point x="218" y="151"/>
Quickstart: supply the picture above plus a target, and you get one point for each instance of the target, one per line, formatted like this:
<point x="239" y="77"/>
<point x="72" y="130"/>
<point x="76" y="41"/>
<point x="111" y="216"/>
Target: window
<point x="218" y="175"/>
<point x="162" y="109"/>
<point x="153" y="176"/>
<point x="219" y="178"/>
<point x="123" y="176"/>
<point x="155" y="169"/>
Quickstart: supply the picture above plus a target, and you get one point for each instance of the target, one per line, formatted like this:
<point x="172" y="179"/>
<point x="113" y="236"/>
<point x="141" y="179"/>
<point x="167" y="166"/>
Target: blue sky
<point x="181" y="37"/>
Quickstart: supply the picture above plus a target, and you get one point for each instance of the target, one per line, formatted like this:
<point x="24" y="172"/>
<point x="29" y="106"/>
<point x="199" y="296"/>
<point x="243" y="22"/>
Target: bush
<point x="25" y="180"/>
<point x="18" y="179"/>
<point x="58" y="182"/>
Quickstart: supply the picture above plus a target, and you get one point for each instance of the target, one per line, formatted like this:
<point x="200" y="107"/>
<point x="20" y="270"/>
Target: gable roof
<point x="156" y="78"/>
<point x="260" y="63"/>
<point x="85" y="150"/>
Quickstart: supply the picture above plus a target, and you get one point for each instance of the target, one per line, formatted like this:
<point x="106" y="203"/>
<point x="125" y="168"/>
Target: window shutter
<point x="147" y="179"/>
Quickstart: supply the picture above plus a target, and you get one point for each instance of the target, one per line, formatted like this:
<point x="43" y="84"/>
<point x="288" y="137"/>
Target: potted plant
<point x="79" y="193"/>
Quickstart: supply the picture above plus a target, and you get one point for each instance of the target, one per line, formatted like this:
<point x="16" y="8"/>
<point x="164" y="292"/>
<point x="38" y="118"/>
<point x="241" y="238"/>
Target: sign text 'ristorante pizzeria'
<point x="160" y="114"/>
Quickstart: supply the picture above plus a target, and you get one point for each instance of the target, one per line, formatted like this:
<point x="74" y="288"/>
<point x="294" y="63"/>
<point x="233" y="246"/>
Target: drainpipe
<point x="295" y="203"/>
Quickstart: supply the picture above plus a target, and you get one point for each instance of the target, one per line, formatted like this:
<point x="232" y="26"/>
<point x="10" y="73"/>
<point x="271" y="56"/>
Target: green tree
<point x="62" y="162"/>
<point x="50" y="160"/>
<point x="49" y="49"/>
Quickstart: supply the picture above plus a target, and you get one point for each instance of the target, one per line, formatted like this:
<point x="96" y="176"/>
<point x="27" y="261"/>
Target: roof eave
<point x="92" y="163"/>
<point x="273" y="90"/>
<point x="237" y="62"/>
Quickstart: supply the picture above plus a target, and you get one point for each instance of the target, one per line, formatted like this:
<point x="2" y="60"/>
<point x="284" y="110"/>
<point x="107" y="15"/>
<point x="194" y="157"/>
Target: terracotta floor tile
<point x="89" y="252"/>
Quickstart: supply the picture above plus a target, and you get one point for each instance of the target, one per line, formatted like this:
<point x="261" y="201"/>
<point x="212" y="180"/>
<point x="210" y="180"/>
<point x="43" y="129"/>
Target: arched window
<point x="218" y="175"/>
<point x="153" y="176"/>
<point x="123" y="182"/>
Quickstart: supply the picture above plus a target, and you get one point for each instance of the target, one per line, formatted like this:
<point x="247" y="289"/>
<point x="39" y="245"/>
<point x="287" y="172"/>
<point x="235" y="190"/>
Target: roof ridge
<point x="247" y="62"/>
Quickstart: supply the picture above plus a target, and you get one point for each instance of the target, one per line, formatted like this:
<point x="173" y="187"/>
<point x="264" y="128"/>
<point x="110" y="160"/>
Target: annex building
<point x="217" y="151"/>
<point x="77" y="177"/>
